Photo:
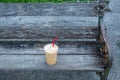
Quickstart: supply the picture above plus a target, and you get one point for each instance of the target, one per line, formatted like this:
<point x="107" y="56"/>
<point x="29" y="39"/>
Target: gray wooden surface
<point x="77" y="51"/>
<point x="78" y="47"/>
<point x="64" y="62"/>
<point x="48" y="33"/>
<point x="47" y="21"/>
<point x="71" y="9"/>
<point x="69" y="48"/>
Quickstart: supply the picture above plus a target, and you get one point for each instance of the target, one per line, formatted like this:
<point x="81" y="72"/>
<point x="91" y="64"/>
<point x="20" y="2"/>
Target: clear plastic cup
<point x="51" y="53"/>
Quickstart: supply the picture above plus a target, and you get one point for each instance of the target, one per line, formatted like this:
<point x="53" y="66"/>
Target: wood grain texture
<point x="50" y="9"/>
<point x="47" y="33"/>
<point x="73" y="48"/>
<point x="48" y="21"/>
<point x="64" y="62"/>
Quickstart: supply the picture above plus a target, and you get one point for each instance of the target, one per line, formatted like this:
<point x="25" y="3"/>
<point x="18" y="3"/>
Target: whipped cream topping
<point x="50" y="49"/>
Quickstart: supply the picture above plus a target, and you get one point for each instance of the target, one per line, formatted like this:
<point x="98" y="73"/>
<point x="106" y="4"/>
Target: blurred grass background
<point x="39" y="1"/>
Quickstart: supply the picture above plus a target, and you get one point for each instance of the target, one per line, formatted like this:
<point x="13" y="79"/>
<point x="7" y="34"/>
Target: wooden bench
<point x="83" y="48"/>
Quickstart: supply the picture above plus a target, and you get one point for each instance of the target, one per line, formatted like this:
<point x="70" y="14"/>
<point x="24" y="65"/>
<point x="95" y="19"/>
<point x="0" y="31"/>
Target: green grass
<point x="39" y="1"/>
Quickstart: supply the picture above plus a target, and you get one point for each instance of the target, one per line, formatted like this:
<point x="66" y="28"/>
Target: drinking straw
<point x="53" y="41"/>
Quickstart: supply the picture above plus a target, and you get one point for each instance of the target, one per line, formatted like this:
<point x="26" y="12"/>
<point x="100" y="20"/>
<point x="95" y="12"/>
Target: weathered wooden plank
<point x="73" y="48"/>
<point x="48" y="33"/>
<point x="50" y="9"/>
<point x="61" y="51"/>
<point x="48" y="21"/>
<point x="64" y="62"/>
<point x="43" y="40"/>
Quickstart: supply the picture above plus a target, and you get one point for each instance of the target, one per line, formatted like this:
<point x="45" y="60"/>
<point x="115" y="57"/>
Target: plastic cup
<point x="51" y="53"/>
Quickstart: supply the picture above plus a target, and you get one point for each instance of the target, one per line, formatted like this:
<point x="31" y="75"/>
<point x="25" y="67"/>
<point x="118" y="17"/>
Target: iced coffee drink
<point x="51" y="53"/>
